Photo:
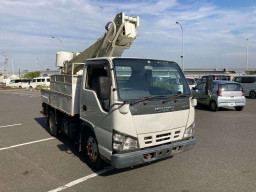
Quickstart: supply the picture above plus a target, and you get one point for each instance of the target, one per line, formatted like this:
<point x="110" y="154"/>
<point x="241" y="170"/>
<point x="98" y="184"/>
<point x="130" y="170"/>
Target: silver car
<point x="223" y="94"/>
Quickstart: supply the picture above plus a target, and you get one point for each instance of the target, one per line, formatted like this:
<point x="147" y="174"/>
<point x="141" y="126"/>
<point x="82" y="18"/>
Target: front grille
<point x="151" y="139"/>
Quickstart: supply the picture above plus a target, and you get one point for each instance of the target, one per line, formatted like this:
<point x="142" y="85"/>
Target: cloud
<point x="211" y="33"/>
<point x="238" y="54"/>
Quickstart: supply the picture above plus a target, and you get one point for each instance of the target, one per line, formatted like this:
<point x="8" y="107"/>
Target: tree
<point x="251" y="72"/>
<point x="31" y="75"/>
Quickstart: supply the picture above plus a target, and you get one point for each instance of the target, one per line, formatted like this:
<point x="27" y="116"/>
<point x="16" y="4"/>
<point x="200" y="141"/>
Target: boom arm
<point x="119" y="36"/>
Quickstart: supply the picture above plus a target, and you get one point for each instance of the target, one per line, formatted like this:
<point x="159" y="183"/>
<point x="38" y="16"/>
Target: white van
<point x="248" y="83"/>
<point x="19" y="83"/>
<point x="42" y="81"/>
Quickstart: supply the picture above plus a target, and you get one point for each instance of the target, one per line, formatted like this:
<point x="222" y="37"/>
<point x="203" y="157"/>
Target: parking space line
<point x="75" y="182"/>
<point x="28" y="143"/>
<point x="10" y="125"/>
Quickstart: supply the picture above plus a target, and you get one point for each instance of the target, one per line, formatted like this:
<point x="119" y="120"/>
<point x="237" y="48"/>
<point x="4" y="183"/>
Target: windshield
<point x="140" y="78"/>
<point x="191" y="81"/>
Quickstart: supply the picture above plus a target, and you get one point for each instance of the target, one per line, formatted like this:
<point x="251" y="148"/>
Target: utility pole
<point x="12" y="68"/>
<point x="5" y="54"/>
<point x="36" y="64"/>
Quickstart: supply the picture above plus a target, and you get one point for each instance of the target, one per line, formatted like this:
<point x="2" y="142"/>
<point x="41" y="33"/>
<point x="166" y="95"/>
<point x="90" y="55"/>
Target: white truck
<point x="120" y="110"/>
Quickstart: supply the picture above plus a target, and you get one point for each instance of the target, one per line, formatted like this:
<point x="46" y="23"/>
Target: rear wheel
<point x="252" y="94"/>
<point x="240" y="108"/>
<point x="91" y="151"/>
<point x="213" y="106"/>
<point x="52" y="124"/>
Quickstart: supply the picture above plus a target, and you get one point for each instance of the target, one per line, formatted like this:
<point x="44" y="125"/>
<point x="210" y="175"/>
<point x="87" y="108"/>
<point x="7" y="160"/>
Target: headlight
<point x="122" y="142"/>
<point x="189" y="131"/>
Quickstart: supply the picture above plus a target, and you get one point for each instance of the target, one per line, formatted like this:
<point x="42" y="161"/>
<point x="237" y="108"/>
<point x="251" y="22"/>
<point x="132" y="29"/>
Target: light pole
<point x="247" y="55"/>
<point x="57" y="39"/>
<point x="182" y="54"/>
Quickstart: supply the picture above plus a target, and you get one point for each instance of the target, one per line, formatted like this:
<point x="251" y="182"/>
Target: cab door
<point x="199" y="93"/>
<point x="93" y="110"/>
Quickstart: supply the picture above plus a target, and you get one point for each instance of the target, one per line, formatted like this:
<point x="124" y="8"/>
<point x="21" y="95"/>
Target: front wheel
<point x="240" y="108"/>
<point x="252" y="94"/>
<point x="91" y="151"/>
<point x="213" y="106"/>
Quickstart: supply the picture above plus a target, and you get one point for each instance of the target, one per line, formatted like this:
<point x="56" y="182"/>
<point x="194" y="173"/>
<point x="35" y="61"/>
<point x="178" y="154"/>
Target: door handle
<point x="84" y="108"/>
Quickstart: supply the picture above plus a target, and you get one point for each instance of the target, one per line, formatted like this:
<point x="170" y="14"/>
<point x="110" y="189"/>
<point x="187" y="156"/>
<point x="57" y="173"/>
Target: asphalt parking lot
<point x="224" y="158"/>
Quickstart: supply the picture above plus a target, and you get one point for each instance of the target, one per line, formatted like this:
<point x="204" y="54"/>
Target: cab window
<point x="94" y="71"/>
<point x="248" y="80"/>
<point x="237" y="79"/>
<point x="200" y="87"/>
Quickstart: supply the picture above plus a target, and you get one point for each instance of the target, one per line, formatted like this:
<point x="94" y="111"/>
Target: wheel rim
<point x="213" y="106"/>
<point x="92" y="150"/>
<point x="252" y="94"/>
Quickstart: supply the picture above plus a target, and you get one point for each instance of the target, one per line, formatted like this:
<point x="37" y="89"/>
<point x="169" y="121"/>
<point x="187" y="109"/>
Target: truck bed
<point x="64" y="93"/>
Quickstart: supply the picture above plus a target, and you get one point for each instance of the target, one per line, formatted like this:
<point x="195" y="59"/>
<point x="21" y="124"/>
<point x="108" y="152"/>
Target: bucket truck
<point x="124" y="111"/>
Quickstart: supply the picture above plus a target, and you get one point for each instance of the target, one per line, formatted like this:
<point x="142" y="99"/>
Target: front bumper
<point x="138" y="157"/>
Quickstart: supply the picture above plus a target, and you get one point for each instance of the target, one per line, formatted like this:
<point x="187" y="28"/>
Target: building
<point x="202" y="72"/>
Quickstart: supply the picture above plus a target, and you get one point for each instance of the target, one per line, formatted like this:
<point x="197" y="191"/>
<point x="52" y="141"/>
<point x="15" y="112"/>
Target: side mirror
<point x="194" y="88"/>
<point x="104" y="88"/>
<point x="124" y="109"/>
<point x="194" y="102"/>
<point x="209" y="86"/>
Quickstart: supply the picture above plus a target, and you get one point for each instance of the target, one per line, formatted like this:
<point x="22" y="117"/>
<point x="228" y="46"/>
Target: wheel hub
<point x="92" y="150"/>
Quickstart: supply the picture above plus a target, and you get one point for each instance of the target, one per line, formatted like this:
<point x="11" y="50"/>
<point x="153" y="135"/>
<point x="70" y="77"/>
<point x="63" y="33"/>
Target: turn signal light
<point x="242" y="93"/>
<point x="219" y="93"/>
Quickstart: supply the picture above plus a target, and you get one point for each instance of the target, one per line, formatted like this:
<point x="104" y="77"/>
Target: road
<point x="31" y="160"/>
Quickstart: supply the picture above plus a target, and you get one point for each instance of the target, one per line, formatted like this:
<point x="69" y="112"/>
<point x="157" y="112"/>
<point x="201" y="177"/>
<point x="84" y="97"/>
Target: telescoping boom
<point x="119" y="35"/>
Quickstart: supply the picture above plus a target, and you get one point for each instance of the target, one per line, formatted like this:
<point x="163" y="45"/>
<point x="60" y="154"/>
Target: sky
<point x="215" y="31"/>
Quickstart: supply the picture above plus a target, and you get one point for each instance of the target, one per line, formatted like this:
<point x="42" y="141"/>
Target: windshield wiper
<point x="175" y="97"/>
<point x="148" y="98"/>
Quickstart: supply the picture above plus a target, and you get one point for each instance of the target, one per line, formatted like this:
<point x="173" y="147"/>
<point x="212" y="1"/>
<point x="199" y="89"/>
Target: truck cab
<point x="134" y="117"/>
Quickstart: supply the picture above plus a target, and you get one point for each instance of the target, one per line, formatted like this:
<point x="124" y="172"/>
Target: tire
<point x="252" y="94"/>
<point x="91" y="151"/>
<point x="52" y="124"/>
<point x="213" y="106"/>
<point x="240" y="108"/>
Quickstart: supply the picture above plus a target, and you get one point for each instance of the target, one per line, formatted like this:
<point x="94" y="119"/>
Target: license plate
<point x="231" y="104"/>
